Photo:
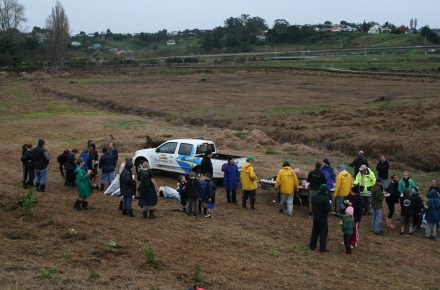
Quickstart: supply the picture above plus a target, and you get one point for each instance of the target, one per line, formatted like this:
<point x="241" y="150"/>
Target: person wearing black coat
<point x="128" y="188"/>
<point x="355" y="200"/>
<point x="147" y="191"/>
<point x="358" y="162"/>
<point x="41" y="162"/>
<point x="382" y="167"/>
<point x="70" y="167"/>
<point x="193" y="190"/>
<point x="392" y="199"/>
<point x="28" y="162"/>
<point x="107" y="163"/>
<point x="206" y="165"/>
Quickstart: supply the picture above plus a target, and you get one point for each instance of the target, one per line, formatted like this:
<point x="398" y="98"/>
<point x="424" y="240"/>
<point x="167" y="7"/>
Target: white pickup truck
<point x="184" y="156"/>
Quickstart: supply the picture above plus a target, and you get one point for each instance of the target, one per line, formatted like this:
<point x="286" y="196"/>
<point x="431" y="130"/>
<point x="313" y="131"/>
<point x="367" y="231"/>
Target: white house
<point x="171" y="42"/>
<point x="376" y="29"/>
<point x="76" y="43"/>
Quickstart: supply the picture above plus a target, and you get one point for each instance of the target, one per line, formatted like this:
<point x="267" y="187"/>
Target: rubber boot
<point x="43" y="188"/>
<point x="25" y="185"/>
<point x="120" y="205"/>
<point x="37" y="186"/>
<point x="130" y="213"/>
<point x="243" y="204"/>
<point x="77" y="204"/>
<point x="124" y="212"/>
<point x="252" y="207"/>
<point x="144" y="214"/>
<point x="102" y="187"/>
<point x="30" y="184"/>
<point x="85" y="205"/>
<point x="152" y="216"/>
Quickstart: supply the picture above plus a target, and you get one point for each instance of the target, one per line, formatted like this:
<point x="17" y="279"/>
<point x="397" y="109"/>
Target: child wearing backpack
<point x="347" y="227"/>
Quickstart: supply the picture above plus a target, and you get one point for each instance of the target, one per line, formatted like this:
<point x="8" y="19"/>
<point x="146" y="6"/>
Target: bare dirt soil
<point x="301" y="117"/>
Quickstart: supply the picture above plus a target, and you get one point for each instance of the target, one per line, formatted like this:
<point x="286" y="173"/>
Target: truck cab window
<point x="168" y="148"/>
<point x="201" y="149"/>
<point x="185" y="149"/>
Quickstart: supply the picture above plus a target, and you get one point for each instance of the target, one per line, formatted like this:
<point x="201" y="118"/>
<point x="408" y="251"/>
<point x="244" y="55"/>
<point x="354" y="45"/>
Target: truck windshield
<point x="202" y="148"/>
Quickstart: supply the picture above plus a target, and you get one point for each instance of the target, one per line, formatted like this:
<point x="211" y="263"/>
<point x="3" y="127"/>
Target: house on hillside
<point x="171" y="42"/>
<point x="75" y="43"/>
<point x="336" y="28"/>
<point x="96" y="46"/>
<point x="376" y="29"/>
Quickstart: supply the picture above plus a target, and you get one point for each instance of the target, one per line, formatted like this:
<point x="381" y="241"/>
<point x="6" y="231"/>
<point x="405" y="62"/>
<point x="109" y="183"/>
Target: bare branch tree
<point x="11" y="14"/>
<point x="57" y="24"/>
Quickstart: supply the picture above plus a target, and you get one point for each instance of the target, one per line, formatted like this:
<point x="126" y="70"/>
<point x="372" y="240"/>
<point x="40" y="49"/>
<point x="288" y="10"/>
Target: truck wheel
<point x="138" y="164"/>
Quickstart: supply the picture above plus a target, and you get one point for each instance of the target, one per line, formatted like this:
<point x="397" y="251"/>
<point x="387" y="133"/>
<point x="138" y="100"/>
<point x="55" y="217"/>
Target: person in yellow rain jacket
<point x="248" y="182"/>
<point x="288" y="183"/>
<point x="344" y="182"/>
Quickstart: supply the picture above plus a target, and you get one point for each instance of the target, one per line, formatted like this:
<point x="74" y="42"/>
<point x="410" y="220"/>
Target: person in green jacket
<point x="83" y="185"/>
<point x="406" y="182"/>
<point x="347" y="227"/>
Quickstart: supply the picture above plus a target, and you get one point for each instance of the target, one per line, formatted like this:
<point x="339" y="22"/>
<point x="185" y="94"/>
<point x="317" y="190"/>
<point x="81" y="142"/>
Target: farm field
<point x="301" y="117"/>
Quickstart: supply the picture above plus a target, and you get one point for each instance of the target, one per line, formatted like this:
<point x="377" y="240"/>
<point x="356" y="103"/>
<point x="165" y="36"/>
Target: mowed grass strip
<point x="17" y="102"/>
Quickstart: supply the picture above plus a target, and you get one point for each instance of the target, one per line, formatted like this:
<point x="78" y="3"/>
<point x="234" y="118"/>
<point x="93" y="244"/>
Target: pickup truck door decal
<point x="186" y="159"/>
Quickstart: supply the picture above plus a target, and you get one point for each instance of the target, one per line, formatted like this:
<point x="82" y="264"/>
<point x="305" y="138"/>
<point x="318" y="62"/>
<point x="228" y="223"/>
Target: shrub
<point x="149" y="254"/>
<point x="240" y="135"/>
<point x="197" y="273"/>
<point x="27" y="201"/>
<point x="271" y="151"/>
<point x="111" y="246"/>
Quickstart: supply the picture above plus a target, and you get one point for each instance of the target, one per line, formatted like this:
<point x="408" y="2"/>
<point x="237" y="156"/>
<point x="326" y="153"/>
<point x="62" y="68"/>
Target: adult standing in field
<point x="392" y="198"/>
<point x="25" y="171"/>
<point x="82" y="184"/>
<point x="315" y="178"/>
<point x="365" y="179"/>
<point x="128" y="188"/>
<point x="406" y="182"/>
<point x="382" y="167"/>
<point x="231" y="179"/>
<point x="107" y="164"/>
<point x="206" y="164"/>
<point x="355" y="200"/>
<point x="287" y="181"/>
<point x="41" y="162"/>
<point x="147" y="191"/>
<point x="330" y="176"/>
<point x="344" y="181"/>
<point x="114" y="150"/>
<point x="377" y="196"/>
<point x="248" y="182"/>
<point x="358" y="162"/>
<point x="434" y="186"/>
<point x="28" y="162"/>
<point x="321" y="209"/>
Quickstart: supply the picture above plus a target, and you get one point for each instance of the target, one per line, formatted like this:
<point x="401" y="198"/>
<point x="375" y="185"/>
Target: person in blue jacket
<point x="432" y="214"/>
<point x="231" y="180"/>
<point x="107" y="164"/>
<point x="330" y="176"/>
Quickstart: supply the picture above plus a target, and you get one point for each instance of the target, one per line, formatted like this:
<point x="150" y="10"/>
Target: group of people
<point x="365" y="194"/>
<point x="355" y="197"/>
